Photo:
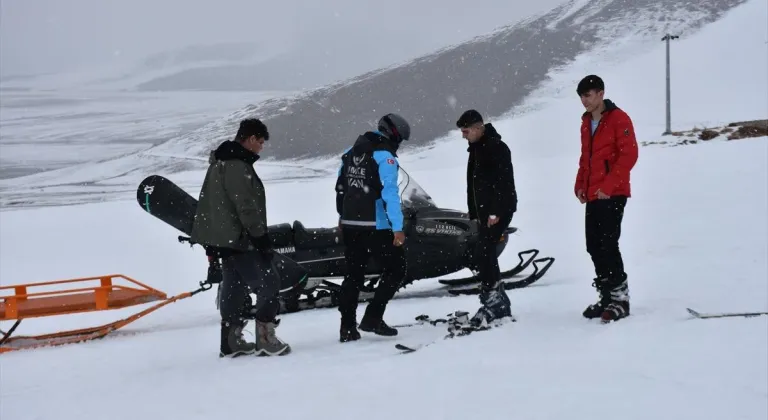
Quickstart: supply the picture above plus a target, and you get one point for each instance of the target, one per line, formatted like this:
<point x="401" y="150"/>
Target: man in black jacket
<point x="231" y="220"/>
<point x="492" y="201"/>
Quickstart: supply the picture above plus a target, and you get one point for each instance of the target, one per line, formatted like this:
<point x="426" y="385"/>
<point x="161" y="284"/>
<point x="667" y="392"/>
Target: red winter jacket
<point x="607" y="158"/>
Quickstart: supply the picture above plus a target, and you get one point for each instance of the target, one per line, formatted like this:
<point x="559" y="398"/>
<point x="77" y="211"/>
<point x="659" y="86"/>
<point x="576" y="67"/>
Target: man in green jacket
<point x="231" y="221"/>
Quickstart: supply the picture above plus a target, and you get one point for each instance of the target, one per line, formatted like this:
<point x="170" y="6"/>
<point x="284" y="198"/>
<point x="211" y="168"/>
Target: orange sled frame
<point x="102" y="296"/>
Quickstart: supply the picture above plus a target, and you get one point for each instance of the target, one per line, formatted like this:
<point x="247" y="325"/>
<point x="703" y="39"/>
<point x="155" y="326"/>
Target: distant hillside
<point x="493" y="74"/>
<point x="542" y="127"/>
<point x="737" y="130"/>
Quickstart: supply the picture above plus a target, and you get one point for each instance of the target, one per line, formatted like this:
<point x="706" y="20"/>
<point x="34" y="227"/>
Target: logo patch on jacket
<point x="390" y="161"/>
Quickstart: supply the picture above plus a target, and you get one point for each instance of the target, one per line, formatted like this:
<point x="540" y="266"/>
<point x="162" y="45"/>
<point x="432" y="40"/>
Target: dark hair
<point x="252" y="127"/>
<point x="591" y="82"/>
<point x="469" y="118"/>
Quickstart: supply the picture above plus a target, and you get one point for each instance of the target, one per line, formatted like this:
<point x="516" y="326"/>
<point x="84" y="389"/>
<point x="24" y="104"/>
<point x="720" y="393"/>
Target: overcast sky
<point x="38" y="36"/>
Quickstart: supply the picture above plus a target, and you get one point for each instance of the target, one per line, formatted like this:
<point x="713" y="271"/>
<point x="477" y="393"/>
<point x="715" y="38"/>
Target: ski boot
<point x="496" y="305"/>
<point x="373" y="321"/>
<point x="267" y="343"/>
<point x="232" y="342"/>
<point x="613" y="304"/>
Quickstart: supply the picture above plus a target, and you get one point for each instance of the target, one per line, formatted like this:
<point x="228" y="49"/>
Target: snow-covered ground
<point x="695" y="235"/>
<point x="49" y="129"/>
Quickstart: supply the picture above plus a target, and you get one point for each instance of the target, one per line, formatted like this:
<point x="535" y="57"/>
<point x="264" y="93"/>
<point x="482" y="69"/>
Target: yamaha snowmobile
<point x="439" y="242"/>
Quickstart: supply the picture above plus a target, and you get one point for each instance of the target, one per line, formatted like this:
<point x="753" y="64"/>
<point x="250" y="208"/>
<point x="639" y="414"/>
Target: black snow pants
<point x="485" y="251"/>
<point x="360" y="245"/>
<point x="242" y="274"/>
<point x="603" y="230"/>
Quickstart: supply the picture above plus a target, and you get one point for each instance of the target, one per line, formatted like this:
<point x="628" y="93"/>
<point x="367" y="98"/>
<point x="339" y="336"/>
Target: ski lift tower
<point x="667" y="38"/>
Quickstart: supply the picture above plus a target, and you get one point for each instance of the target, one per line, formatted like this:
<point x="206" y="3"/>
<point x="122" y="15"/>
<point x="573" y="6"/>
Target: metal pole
<point x="669" y="107"/>
<point x="667" y="38"/>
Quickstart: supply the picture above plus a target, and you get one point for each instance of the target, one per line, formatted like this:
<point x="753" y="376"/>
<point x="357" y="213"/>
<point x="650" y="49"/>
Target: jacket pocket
<point x="607" y="167"/>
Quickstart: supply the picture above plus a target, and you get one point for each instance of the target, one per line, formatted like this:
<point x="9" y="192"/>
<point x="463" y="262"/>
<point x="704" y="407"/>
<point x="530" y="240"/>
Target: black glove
<point x="215" y="274"/>
<point x="263" y="244"/>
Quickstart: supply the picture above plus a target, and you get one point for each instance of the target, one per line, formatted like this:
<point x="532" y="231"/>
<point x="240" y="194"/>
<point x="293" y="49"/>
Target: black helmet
<point x="395" y="127"/>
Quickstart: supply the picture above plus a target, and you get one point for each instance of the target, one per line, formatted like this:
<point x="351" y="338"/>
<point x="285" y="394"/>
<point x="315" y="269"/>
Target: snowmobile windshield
<point x="411" y="193"/>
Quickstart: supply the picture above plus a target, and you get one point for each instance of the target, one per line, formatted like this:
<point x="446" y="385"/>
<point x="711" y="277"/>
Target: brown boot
<point x="267" y="343"/>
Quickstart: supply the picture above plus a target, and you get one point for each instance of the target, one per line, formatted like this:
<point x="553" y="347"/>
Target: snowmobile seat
<point x="315" y="238"/>
<point x="281" y="235"/>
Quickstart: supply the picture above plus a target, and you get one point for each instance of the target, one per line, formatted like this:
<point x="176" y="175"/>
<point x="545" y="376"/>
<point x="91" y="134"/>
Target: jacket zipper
<point x="591" y="144"/>
<point x="474" y="190"/>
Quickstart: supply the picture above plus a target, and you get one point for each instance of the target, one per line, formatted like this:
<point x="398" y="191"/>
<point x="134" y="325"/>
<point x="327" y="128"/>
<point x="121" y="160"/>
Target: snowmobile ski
<point x="537" y="274"/>
<point x="700" y="315"/>
<point x="522" y="265"/>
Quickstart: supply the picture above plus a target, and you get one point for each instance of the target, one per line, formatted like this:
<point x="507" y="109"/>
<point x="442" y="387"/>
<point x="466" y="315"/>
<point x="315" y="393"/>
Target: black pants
<point x="360" y="245"/>
<point x="243" y="274"/>
<point x="603" y="230"/>
<point x="485" y="251"/>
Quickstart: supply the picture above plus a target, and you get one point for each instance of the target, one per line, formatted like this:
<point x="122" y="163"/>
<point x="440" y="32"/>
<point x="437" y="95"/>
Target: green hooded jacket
<point x="232" y="204"/>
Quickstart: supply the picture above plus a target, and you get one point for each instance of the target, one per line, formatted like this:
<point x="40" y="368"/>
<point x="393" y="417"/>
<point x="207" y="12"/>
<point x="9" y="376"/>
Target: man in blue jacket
<point x="371" y="221"/>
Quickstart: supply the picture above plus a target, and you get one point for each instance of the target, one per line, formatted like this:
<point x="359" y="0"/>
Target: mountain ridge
<point x="493" y="73"/>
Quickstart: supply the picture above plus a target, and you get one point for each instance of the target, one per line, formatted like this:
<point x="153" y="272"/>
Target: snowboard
<point x="168" y="202"/>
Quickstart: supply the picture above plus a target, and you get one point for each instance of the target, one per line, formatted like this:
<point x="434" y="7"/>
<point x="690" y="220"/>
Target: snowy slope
<point x="695" y="235"/>
<point x="551" y="364"/>
<point x="85" y="127"/>
<point x="493" y="73"/>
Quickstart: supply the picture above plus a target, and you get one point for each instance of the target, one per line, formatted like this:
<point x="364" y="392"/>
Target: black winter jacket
<point x="231" y="212"/>
<point x="490" y="178"/>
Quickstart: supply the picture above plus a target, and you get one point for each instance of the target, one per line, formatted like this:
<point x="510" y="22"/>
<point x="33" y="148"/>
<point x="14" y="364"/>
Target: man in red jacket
<point x="608" y="154"/>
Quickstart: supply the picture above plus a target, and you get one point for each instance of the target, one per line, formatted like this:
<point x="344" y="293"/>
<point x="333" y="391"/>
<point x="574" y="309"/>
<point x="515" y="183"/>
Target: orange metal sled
<point x="105" y="294"/>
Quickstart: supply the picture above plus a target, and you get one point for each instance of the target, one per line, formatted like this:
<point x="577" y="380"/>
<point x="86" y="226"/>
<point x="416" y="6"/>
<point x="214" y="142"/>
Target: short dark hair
<point x="469" y="118"/>
<point x="252" y="127"/>
<point x="591" y="82"/>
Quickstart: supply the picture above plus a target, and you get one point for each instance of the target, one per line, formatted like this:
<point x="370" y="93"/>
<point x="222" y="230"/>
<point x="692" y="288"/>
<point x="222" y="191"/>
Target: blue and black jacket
<point x="367" y="195"/>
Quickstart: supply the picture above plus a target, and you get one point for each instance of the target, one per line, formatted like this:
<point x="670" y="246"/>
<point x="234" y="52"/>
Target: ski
<point x="458" y="326"/>
<point x="425" y="320"/>
<point x="700" y="315"/>
<point x="405" y="349"/>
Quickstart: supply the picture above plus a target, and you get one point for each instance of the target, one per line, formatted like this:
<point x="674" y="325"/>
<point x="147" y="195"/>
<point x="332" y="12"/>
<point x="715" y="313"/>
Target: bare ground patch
<point x="733" y="131"/>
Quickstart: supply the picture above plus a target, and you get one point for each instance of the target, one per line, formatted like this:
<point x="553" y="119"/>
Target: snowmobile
<point x="439" y="242"/>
